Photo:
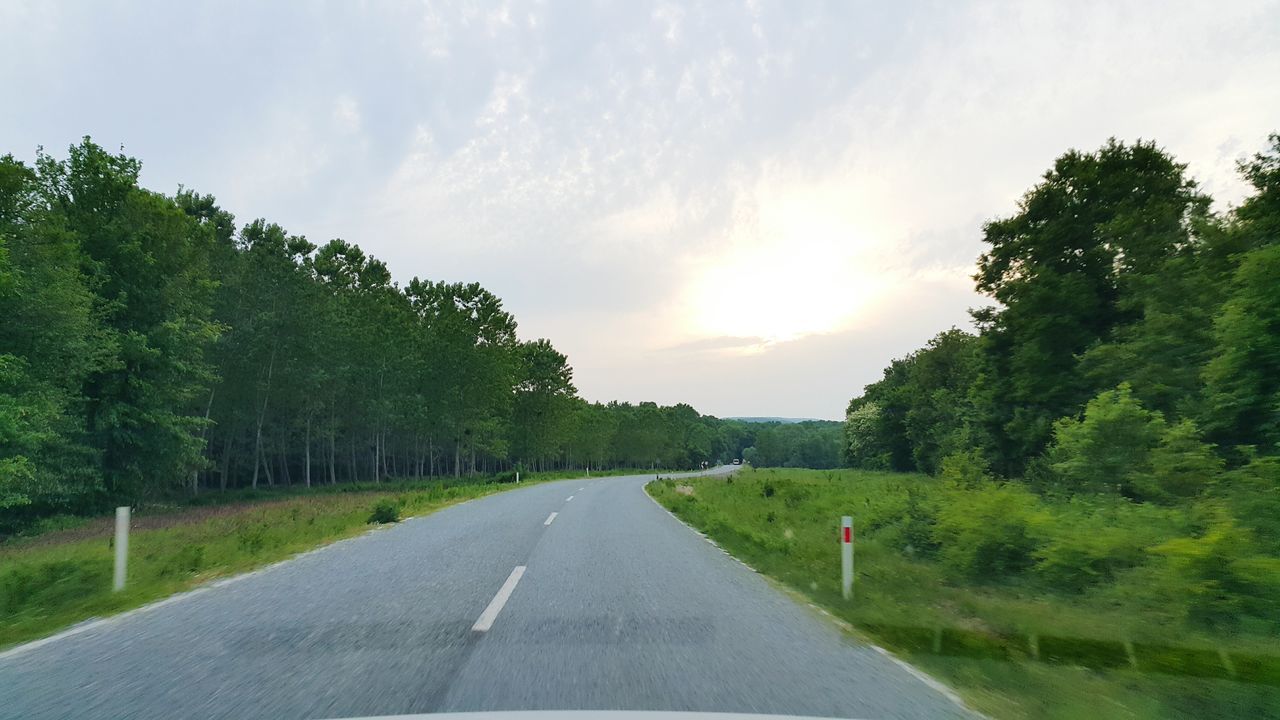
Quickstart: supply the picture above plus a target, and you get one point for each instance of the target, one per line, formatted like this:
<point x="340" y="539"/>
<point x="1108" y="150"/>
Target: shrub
<point x="968" y="469"/>
<point x="1181" y="465"/>
<point x="768" y="490"/>
<point x="794" y="496"/>
<point x="1085" y="544"/>
<point x="1110" y="448"/>
<point x="1220" y="575"/>
<point x="251" y="536"/>
<point x="384" y="511"/>
<point x="918" y="524"/>
<point x="1253" y="495"/>
<point x="989" y="532"/>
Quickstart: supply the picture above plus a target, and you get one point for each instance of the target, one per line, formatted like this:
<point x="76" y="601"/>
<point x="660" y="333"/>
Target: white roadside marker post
<point x="122" y="548"/>
<point x="517" y="476"/>
<point x="846" y="556"/>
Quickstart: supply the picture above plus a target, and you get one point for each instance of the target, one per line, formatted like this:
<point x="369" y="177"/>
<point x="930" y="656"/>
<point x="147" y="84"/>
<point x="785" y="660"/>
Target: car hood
<point x="584" y="715"/>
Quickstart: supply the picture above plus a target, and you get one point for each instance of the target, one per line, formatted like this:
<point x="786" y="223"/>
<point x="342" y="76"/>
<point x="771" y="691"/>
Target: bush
<point x="1085" y="544"/>
<point x="1252" y="494"/>
<point x="794" y="496"/>
<point x="989" y="532"/>
<point x="384" y="511"/>
<point x="1110" y="448"/>
<point x="968" y="469"/>
<point x="1220" y="575"/>
<point x="918" y="524"/>
<point x="1181" y="465"/>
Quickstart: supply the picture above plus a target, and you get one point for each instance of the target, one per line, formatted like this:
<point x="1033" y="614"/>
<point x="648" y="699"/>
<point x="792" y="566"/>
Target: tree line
<point x="1114" y="284"/>
<point x="150" y="346"/>
<point x="1129" y="370"/>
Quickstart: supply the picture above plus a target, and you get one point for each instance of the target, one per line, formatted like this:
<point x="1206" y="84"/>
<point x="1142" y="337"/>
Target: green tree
<point x="1110" y="447"/>
<point x="543" y="404"/>
<point x="50" y="344"/>
<point x="147" y="263"/>
<point x="1060" y="270"/>
<point x="1243" y="378"/>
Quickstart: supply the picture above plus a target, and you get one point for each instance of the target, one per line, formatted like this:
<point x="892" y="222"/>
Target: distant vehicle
<point x="737" y="461"/>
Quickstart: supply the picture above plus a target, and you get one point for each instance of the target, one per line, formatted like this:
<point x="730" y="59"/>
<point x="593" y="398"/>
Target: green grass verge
<point x="1011" y="649"/>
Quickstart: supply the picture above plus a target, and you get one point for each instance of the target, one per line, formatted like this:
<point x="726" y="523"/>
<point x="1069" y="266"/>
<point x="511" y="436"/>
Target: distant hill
<point x="783" y="420"/>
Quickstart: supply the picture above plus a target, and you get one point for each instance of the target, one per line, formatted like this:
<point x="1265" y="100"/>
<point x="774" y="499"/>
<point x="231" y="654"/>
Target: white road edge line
<point x="496" y="604"/>
<point x="550" y="518"/>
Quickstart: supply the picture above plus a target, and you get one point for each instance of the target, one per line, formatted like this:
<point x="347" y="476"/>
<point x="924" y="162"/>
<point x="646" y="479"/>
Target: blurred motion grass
<point x="1010" y="647"/>
<point x="53" y="580"/>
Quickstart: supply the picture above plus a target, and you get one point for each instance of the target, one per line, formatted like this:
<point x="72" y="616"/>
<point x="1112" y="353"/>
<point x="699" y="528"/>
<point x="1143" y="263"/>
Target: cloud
<point x="723" y="342"/>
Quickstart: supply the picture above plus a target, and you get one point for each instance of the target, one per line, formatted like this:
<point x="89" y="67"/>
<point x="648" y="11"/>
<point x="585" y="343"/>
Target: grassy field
<point x="1010" y="648"/>
<point x="62" y="576"/>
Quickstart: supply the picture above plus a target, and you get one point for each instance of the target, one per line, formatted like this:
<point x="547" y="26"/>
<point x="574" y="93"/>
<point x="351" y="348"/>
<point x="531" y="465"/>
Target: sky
<point x="751" y="207"/>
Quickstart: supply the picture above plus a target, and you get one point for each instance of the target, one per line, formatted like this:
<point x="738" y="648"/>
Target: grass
<point x="1010" y="648"/>
<point x="61" y="577"/>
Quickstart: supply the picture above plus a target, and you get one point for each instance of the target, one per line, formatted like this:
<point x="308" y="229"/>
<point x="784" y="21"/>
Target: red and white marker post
<point x="846" y="556"/>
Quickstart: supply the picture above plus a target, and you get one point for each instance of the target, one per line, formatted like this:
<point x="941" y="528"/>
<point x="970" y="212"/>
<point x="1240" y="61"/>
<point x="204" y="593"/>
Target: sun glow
<point x="802" y="265"/>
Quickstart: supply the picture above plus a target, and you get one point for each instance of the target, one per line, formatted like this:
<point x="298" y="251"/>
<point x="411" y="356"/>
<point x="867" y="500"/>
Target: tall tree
<point x="1060" y="269"/>
<point x="147" y="263"/>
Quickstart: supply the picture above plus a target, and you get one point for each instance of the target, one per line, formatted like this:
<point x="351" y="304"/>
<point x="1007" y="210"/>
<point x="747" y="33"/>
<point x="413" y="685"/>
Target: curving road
<point x="618" y="606"/>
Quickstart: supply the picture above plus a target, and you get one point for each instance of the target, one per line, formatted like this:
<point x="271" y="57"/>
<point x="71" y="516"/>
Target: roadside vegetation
<point x="1030" y="606"/>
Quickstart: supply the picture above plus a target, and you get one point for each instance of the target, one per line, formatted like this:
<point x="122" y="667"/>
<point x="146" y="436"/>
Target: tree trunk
<point x="204" y="443"/>
<point x="262" y="414"/>
<point x="333" y="451"/>
<point x="307" y="464"/>
<point x="266" y="468"/>
<point x="284" y="465"/>
<point x="226" y="463"/>
<point x="355" y="476"/>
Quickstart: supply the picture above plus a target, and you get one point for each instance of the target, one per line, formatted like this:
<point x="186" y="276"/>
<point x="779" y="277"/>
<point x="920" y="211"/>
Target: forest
<point x="1113" y="427"/>
<point x="152" y="347"/>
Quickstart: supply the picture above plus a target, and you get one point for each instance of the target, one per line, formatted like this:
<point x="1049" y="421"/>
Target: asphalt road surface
<point x="611" y="603"/>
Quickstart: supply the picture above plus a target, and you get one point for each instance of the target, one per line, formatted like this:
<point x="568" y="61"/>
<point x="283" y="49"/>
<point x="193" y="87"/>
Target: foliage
<point x="989" y="532"/>
<point x="808" y="444"/>
<point x="384" y="511"/>
<point x="1109" y="449"/>
<point x="1220" y="577"/>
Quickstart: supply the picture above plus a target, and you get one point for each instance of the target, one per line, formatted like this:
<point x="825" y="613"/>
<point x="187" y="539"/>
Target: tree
<point x="50" y="343"/>
<point x="543" y="403"/>
<point x="1060" y="269"/>
<point x="146" y="261"/>
<point x="1242" y="380"/>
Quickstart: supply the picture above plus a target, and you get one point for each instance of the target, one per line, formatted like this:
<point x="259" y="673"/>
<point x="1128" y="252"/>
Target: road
<point x="620" y="606"/>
